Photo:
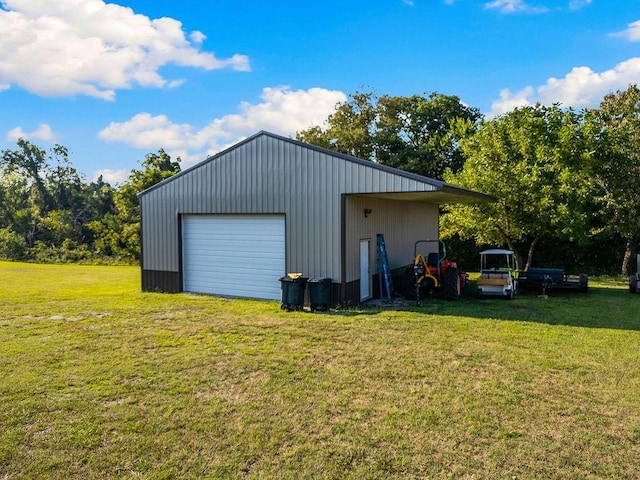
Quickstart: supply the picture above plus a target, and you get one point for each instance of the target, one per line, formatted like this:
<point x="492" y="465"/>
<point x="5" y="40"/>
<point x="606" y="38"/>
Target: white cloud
<point x="508" y="101"/>
<point x="514" y="6"/>
<point x="578" y="4"/>
<point x="147" y="131"/>
<point x="43" y="132"/>
<point x="581" y="87"/>
<point x="197" y="37"/>
<point x="282" y="110"/>
<point x="89" y="47"/>
<point x="632" y="33"/>
<point x="111" y="176"/>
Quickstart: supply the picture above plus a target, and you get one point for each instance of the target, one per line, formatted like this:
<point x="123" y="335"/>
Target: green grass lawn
<point x="99" y="380"/>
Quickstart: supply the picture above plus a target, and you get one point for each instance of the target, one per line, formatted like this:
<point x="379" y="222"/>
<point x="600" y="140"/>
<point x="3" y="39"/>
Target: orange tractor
<point x="434" y="272"/>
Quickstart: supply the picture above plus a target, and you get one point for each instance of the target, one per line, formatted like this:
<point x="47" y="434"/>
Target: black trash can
<point x="320" y="294"/>
<point x="293" y="287"/>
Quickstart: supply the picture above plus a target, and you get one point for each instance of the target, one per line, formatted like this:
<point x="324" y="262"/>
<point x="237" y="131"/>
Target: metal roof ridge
<point x="358" y="160"/>
<point x="439" y="184"/>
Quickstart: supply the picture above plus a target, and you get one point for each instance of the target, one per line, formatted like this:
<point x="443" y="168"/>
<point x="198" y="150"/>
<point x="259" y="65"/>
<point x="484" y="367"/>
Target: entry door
<point x="365" y="272"/>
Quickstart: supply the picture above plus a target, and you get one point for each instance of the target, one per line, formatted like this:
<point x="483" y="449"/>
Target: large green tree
<point x="67" y="190"/>
<point x="422" y="134"/>
<point x="349" y="129"/>
<point x="616" y="172"/>
<point x="118" y="233"/>
<point x="533" y="160"/>
<point x="31" y="163"/>
<point x="17" y="215"/>
<point x="417" y="133"/>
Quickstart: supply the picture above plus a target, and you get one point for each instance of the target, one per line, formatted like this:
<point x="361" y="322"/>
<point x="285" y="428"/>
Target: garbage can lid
<point x="296" y="278"/>
<point x="319" y="280"/>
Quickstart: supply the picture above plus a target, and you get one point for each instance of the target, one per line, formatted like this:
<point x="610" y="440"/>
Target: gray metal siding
<point x="266" y="176"/>
<point x="270" y="175"/>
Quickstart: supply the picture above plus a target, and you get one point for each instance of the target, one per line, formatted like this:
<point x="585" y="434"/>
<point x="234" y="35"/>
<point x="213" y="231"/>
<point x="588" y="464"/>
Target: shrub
<point x="12" y="245"/>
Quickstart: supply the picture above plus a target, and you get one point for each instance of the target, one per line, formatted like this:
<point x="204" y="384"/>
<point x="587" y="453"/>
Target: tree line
<point x="50" y="213"/>
<point x="566" y="181"/>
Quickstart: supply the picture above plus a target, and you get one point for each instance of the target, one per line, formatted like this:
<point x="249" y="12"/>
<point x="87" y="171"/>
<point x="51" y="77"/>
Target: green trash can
<point x="293" y="287"/>
<point x="320" y="294"/>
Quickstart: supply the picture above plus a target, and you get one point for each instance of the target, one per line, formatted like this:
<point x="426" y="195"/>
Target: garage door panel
<point x="234" y="255"/>
<point x="249" y="250"/>
<point x="230" y="272"/>
<point x="266" y="246"/>
<point x="217" y="261"/>
<point x="235" y="235"/>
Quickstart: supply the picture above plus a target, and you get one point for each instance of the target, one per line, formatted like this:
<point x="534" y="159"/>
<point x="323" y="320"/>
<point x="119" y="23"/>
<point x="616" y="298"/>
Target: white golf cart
<point x="497" y="274"/>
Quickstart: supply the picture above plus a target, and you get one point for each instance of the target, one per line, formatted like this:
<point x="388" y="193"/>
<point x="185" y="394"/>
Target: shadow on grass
<point x="605" y="306"/>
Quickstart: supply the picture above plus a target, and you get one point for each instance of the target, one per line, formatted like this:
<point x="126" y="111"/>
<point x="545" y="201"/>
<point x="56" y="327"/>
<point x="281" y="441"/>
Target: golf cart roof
<point x="496" y="251"/>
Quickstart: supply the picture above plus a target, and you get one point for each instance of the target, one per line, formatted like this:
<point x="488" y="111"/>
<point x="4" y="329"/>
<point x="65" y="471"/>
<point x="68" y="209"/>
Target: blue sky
<point x="114" y="81"/>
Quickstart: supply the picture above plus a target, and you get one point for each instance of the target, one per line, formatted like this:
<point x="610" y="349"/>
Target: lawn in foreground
<point x="99" y="380"/>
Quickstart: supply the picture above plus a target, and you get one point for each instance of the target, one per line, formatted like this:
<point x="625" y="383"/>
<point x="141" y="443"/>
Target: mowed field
<point x="99" y="380"/>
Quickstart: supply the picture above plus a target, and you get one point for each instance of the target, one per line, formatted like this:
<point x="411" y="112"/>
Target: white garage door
<point x="235" y="255"/>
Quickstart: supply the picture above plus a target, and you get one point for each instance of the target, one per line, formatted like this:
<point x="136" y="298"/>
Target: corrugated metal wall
<point x="268" y="174"/>
<point x="402" y="224"/>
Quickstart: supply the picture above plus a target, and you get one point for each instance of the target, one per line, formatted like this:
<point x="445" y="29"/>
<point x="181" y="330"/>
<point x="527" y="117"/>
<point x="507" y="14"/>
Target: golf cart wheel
<point x="584" y="283"/>
<point x="509" y="294"/>
<point x="451" y="284"/>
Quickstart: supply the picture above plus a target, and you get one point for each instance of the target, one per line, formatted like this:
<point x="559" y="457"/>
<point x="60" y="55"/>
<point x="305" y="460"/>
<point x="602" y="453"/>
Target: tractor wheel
<point x="409" y="284"/>
<point x="451" y="284"/>
<point x="423" y="290"/>
<point x="584" y="283"/>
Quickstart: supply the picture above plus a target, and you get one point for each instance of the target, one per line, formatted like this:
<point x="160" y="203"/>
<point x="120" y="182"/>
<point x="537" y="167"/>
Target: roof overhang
<point x="496" y="251"/>
<point x="445" y="194"/>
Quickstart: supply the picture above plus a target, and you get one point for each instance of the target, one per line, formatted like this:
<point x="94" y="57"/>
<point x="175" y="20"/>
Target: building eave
<point x="444" y="195"/>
